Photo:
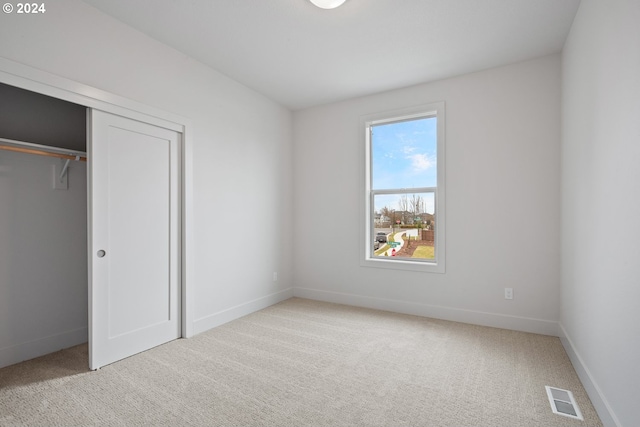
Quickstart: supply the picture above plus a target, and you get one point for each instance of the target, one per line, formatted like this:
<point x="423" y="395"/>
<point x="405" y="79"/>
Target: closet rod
<point x="42" y="150"/>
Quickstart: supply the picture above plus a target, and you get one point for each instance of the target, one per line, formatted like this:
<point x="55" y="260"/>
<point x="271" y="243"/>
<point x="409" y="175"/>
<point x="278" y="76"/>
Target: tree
<point x="416" y="209"/>
<point x="416" y="204"/>
<point x="404" y="205"/>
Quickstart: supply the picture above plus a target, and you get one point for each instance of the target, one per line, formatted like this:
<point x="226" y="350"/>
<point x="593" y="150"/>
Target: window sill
<point x="401" y="264"/>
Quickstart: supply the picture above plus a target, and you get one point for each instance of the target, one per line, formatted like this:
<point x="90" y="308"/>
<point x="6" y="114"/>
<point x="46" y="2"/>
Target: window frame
<point x="437" y="265"/>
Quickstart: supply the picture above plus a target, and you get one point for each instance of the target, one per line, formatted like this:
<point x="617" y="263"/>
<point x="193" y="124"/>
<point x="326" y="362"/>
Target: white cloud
<point x="421" y="162"/>
<point x="407" y="149"/>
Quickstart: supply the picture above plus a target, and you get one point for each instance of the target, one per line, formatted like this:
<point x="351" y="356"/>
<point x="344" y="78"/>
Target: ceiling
<point x="301" y="56"/>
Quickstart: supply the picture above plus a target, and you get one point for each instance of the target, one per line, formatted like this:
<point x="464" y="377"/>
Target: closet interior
<point x="43" y="225"/>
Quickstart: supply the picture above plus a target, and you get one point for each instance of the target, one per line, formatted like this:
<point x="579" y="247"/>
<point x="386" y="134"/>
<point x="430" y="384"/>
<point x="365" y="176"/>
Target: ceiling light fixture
<point x="327" y="4"/>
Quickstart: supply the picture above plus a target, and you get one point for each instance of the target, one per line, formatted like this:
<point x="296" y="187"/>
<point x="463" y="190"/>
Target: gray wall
<point x="39" y="119"/>
<point x="43" y="232"/>
<point x="43" y="257"/>
<point x="600" y="205"/>
<point x="503" y="201"/>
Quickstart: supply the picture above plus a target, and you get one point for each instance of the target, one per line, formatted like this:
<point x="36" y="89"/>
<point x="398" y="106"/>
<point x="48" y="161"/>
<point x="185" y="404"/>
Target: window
<point x="404" y="194"/>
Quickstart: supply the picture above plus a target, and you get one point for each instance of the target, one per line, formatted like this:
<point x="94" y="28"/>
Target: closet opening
<point x="43" y="225"/>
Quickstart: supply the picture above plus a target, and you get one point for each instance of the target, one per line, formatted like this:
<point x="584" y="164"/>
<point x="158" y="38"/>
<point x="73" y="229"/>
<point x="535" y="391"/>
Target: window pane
<point x="405" y="189"/>
<point x="403" y="226"/>
<point x="403" y="154"/>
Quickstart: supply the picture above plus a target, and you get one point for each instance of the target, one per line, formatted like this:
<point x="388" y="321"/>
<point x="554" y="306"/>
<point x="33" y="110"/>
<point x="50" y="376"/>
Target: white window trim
<point x="366" y="258"/>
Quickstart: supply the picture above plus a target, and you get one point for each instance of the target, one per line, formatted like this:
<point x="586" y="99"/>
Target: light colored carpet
<point x="306" y="363"/>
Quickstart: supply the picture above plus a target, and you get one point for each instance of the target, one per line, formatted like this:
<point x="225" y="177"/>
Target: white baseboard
<point x="600" y="403"/>
<point x="516" y="323"/>
<point x="216" y="319"/>
<point x="29" y="350"/>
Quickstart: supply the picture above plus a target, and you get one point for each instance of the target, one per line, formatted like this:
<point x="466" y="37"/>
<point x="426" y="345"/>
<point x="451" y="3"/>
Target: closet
<point x="43" y="225"/>
<point x="89" y="250"/>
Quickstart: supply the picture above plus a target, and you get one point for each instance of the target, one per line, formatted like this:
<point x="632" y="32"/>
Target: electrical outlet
<point x="275" y="276"/>
<point x="508" y="293"/>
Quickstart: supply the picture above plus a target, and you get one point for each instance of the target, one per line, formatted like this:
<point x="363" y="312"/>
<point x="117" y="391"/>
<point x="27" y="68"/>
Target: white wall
<point x="503" y="202"/>
<point x="242" y="146"/>
<point x="601" y="207"/>
<point x="43" y="257"/>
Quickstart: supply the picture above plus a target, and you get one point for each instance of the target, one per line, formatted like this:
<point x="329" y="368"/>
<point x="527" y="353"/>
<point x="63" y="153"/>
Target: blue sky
<point x="403" y="156"/>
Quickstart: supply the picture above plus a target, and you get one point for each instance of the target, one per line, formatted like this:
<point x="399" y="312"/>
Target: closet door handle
<point x="101" y="253"/>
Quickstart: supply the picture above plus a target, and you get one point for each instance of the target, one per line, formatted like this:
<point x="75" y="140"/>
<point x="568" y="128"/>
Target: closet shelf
<point x="41" y="150"/>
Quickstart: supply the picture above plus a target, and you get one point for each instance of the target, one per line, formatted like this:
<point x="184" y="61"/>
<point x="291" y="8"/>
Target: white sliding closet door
<point x="134" y="237"/>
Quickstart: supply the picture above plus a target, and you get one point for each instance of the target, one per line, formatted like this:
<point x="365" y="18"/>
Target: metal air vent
<point x="563" y="403"/>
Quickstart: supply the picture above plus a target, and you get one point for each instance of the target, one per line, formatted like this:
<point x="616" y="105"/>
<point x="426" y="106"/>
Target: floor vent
<point x="563" y="403"/>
